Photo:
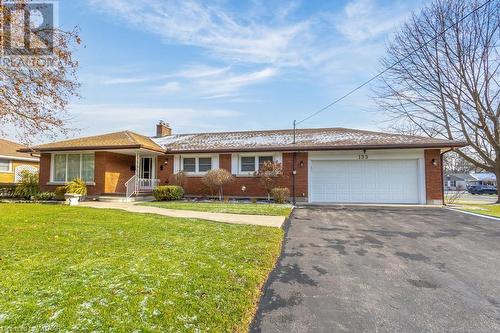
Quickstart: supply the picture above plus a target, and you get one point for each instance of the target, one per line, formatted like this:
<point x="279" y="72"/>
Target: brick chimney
<point x="163" y="129"/>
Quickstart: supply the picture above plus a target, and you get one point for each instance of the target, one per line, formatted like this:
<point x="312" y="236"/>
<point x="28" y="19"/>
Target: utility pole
<point x="294" y="170"/>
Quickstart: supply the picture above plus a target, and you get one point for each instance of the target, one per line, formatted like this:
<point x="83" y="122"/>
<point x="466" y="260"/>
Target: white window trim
<point x="179" y="163"/>
<point x="52" y="166"/>
<point x="236" y="162"/>
<point x="10" y="166"/>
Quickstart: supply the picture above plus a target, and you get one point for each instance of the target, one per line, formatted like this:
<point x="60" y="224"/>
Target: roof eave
<point x="321" y="148"/>
<point x="121" y="147"/>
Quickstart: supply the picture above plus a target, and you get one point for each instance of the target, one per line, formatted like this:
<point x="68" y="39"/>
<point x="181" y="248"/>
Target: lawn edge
<point x="474" y="214"/>
<point x="256" y="318"/>
<point x="148" y="204"/>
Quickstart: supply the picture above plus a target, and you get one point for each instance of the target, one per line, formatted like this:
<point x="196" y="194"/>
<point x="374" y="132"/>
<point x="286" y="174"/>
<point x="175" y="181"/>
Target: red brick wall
<point x="44" y="175"/>
<point x="116" y="169"/>
<point x="45" y="160"/>
<point x="301" y="178"/>
<point x="111" y="172"/>
<point x="253" y="188"/>
<point x="168" y="169"/>
<point x="433" y="176"/>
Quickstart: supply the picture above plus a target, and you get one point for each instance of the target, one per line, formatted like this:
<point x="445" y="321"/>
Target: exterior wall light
<point x="434" y="162"/>
<point x="243" y="188"/>
<point x="301" y="164"/>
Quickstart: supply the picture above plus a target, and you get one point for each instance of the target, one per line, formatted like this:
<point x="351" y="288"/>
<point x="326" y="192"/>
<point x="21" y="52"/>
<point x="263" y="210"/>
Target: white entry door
<point x="366" y="181"/>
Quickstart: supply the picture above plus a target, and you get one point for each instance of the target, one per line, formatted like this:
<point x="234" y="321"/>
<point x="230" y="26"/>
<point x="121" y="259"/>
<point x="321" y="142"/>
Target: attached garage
<point x="378" y="177"/>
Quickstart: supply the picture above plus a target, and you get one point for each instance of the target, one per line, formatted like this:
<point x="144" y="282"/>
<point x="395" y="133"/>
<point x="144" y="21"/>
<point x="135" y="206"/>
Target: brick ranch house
<point x="327" y="165"/>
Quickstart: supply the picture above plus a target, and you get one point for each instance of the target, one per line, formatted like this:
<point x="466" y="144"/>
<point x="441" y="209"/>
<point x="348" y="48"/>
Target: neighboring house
<point x="458" y="181"/>
<point x="13" y="162"/>
<point x="322" y="166"/>
<point x="484" y="178"/>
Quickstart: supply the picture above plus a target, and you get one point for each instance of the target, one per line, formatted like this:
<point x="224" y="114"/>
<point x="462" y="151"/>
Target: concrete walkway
<point x="268" y="221"/>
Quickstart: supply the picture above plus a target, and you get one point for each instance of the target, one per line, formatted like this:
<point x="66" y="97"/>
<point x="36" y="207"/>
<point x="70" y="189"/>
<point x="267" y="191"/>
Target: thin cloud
<point x="215" y="83"/>
<point x="169" y="87"/>
<point x="366" y="19"/>
<point x="199" y="71"/>
<point x="214" y="29"/>
<point x="102" y="118"/>
<point x="222" y="86"/>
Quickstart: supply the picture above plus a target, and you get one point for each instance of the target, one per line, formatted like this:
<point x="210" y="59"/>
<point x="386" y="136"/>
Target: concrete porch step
<point x="116" y="198"/>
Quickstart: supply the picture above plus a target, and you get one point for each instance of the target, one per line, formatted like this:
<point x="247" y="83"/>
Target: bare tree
<point x="454" y="163"/>
<point x="270" y="174"/>
<point x="36" y="87"/>
<point x="448" y="86"/>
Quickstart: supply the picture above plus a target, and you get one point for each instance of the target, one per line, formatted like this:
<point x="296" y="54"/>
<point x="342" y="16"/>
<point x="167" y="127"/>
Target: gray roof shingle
<point x="306" y="139"/>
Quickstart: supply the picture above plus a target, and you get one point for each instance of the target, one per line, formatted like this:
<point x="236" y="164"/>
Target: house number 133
<point x="363" y="157"/>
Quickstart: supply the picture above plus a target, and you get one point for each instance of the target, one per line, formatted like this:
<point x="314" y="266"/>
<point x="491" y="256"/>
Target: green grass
<point x="82" y="269"/>
<point x="484" y="209"/>
<point x="222" y="207"/>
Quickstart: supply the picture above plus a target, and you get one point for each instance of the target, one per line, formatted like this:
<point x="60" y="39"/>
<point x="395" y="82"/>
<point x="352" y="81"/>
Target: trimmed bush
<point x="216" y="180"/>
<point x="7" y="191"/>
<point x="77" y="186"/>
<point x="28" y="186"/>
<point x="60" y="191"/>
<point x="280" y="194"/>
<point x="44" y="196"/>
<point x="168" y="193"/>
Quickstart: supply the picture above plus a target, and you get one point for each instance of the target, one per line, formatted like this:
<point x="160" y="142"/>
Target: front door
<point x="146" y="168"/>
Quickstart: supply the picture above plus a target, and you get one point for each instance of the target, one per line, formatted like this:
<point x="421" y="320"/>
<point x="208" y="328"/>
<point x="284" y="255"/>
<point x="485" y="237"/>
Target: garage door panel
<point x="368" y="181"/>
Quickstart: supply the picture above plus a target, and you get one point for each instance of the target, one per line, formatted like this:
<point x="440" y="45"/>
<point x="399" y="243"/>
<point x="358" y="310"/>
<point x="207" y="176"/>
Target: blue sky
<point x="227" y="65"/>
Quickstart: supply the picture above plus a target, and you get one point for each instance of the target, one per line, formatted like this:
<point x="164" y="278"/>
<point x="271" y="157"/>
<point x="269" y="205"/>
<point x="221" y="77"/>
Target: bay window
<point x="67" y="167"/>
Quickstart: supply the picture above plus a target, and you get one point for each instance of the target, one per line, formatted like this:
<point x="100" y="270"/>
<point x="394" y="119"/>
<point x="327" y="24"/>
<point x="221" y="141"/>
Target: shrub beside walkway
<point x="268" y="221"/>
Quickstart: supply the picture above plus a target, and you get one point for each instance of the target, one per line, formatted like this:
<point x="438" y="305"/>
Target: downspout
<point x="442" y="173"/>
<point x="294" y="171"/>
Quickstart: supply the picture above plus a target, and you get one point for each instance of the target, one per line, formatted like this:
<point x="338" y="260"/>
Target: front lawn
<point x="487" y="209"/>
<point x="223" y="207"/>
<point x="82" y="269"/>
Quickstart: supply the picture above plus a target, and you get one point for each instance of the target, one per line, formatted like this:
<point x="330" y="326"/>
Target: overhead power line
<point x="387" y="69"/>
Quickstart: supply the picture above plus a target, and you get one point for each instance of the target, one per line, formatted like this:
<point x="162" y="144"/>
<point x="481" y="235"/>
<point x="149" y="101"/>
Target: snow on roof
<point x="321" y="138"/>
<point x="484" y="176"/>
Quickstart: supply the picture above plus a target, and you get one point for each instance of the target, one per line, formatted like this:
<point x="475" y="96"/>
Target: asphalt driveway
<point x="363" y="269"/>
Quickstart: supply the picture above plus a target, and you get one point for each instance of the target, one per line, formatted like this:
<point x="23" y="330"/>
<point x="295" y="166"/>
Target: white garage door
<point x="368" y="181"/>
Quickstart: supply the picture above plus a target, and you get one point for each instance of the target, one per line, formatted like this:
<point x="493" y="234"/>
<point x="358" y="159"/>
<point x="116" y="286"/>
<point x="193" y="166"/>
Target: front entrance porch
<point x="144" y="181"/>
<point x="126" y="175"/>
